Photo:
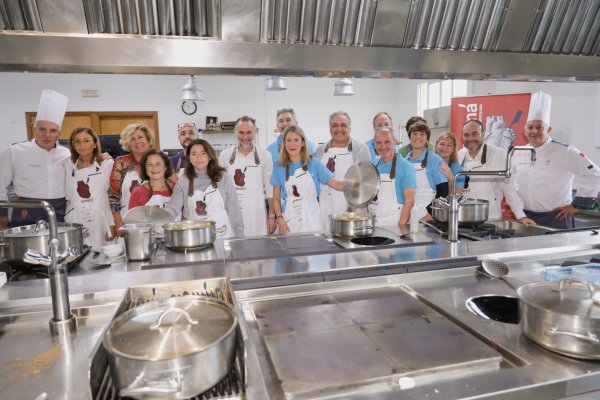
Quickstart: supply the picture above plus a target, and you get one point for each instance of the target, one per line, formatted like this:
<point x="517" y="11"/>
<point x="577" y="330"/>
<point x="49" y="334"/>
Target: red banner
<point x="503" y="117"/>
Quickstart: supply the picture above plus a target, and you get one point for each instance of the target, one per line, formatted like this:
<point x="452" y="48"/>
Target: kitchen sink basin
<point x="499" y="308"/>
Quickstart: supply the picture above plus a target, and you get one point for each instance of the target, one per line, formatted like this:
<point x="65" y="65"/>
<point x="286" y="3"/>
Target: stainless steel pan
<point x="470" y="211"/>
<point x="350" y="224"/>
<point x="190" y="234"/>
<point x="562" y="316"/>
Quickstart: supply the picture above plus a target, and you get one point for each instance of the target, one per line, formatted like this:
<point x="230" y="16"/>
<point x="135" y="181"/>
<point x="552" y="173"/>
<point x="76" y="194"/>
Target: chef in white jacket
<point x="250" y="168"/>
<point x="546" y="184"/>
<point x="36" y="167"/>
<point x="338" y="155"/>
<point x="477" y="156"/>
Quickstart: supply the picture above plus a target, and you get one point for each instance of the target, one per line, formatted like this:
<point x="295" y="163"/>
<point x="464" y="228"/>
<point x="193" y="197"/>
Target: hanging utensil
<point x="497" y="269"/>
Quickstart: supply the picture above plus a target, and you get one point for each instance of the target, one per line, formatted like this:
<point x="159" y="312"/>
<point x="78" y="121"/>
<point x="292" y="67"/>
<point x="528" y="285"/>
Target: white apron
<point x="87" y="198"/>
<point x="247" y="177"/>
<point x="331" y="201"/>
<point x="130" y="181"/>
<point x="483" y="187"/>
<point x="302" y="212"/>
<point x="209" y="204"/>
<point x="424" y="193"/>
<point x="385" y="205"/>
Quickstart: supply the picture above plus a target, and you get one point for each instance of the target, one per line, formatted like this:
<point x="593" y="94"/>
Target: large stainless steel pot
<point x="470" y="211"/>
<point x="562" y="317"/>
<point x="14" y="242"/>
<point x="173" y="349"/>
<point x="350" y="224"/>
<point x="190" y="234"/>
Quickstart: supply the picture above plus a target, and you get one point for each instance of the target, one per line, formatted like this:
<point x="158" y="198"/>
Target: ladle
<point x="497" y="269"/>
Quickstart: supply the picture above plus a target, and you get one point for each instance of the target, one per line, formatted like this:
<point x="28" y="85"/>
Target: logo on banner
<point x="474" y="110"/>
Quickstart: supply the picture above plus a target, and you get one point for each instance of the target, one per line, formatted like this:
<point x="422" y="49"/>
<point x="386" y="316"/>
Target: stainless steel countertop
<point x="32" y="362"/>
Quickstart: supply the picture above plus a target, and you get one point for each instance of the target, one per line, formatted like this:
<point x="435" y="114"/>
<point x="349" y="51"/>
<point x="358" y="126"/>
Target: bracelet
<point x="271" y="215"/>
<point x="279" y="216"/>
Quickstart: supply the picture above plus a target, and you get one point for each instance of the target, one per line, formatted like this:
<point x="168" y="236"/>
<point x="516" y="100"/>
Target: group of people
<point x="292" y="185"/>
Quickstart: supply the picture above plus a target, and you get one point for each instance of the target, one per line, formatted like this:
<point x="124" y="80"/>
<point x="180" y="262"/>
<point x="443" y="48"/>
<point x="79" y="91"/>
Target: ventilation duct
<point x="19" y="15"/>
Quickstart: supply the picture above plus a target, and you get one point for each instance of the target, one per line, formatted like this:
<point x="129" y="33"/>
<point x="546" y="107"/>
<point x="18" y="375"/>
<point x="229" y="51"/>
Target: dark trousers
<point x="28" y="216"/>
<point x="549" y="219"/>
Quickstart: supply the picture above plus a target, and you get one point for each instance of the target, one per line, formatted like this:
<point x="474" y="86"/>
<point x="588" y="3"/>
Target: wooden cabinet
<point x="102" y="122"/>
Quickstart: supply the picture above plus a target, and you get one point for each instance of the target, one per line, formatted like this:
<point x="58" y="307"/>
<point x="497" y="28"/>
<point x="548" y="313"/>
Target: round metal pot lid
<point x="573" y="298"/>
<point x="161" y="331"/>
<point x="147" y="214"/>
<point x="361" y="183"/>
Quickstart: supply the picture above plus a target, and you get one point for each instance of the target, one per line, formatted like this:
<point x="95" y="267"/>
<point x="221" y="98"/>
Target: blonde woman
<point x="447" y="148"/>
<point x="301" y="176"/>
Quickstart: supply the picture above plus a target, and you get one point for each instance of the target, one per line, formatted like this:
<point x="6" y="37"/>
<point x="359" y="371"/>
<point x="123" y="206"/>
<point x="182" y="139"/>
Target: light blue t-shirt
<point x="371" y="145"/>
<point x="318" y="172"/>
<point x="456" y="168"/>
<point x="434" y="175"/>
<point x="404" y="178"/>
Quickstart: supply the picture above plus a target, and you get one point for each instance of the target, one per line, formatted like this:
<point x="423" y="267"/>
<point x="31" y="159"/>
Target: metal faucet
<point x="455" y="199"/>
<point x="63" y="321"/>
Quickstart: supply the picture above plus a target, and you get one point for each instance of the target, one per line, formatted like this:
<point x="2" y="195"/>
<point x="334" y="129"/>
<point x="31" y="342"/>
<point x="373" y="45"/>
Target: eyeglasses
<point x="184" y="124"/>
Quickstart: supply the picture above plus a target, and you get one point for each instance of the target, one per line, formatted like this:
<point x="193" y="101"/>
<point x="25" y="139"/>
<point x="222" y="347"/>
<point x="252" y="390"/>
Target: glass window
<point x="459" y="88"/>
<point x="446" y="93"/>
<point x="434" y="95"/>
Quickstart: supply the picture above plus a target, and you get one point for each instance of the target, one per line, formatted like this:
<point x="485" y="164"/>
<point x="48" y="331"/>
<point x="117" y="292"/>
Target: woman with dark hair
<point x="155" y="171"/>
<point x="87" y="187"/>
<point x="206" y="191"/>
<point x="431" y="182"/>
<point x="301" y="176"/>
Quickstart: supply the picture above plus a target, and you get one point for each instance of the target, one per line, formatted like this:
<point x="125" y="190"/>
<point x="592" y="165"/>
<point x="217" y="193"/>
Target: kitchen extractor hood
<point x="468" y="39"/>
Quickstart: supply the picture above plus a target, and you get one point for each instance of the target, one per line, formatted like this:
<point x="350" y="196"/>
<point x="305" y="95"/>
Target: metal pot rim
<point x="26" y="228"/>
<point x="153" y="305"/>
<point x="523" y="292"/>
<point x="336" y="216"/>
<point x="188" y="225"/>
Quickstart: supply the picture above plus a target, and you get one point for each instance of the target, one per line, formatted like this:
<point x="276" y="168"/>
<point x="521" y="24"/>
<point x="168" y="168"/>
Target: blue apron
<point x="548" y="218"/>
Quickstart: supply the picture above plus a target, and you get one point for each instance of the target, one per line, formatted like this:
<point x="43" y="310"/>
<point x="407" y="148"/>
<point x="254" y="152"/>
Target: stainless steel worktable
<point x="32" y="362"/>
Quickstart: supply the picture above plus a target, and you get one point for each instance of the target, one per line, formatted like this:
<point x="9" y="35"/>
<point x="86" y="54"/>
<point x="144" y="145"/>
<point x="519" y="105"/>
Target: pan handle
<point x="172" y="310"/>
<point x="590" y="337"/>
<point x="593" y="294"/>
<point x="363" y="228"/>
<point x="152" y="387"/>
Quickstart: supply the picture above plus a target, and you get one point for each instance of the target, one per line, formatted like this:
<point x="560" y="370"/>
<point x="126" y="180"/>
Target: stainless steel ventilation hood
<point x="556" y="40"/>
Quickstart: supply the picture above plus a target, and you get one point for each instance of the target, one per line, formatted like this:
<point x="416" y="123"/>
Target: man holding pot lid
<point x="36" y="167"/>
<point x="546" y="184"/>
<point x="477" y="156"/>
<point x="250" y="168"/>
<point x="338" y="155"/>
<point x="398" y="182"/>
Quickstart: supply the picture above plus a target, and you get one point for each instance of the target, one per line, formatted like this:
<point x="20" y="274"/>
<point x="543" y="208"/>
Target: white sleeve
<point x="587" y="172"/>
<point x="223" y="161"/>
<point x="6" y="171"/>
<point x="267" y="172"/>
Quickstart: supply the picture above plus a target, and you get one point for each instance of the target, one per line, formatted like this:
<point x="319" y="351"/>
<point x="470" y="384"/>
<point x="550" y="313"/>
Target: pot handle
<point x="172" y="310"/>
<point x="160" y="387"/>
<point x="593" y="295"/>
<point x="222" y="229"/>
<point x="363" y="228"/>
<point x="590" y="337"/>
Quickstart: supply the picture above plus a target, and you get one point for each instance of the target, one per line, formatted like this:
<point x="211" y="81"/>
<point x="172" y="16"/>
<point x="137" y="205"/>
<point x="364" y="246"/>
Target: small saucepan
<point x="349" y="224"/>
<point x="470" y="211"/>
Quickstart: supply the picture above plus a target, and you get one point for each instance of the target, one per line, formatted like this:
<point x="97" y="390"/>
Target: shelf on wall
<point x="211" y="132"/>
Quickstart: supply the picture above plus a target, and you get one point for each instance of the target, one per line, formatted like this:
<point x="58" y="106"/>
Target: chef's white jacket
<point x="547" y="183"/>
<point x="492" y="188"/>
<point x="35" y="172"/>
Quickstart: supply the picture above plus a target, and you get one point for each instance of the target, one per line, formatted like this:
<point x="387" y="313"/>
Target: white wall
<point x="575" y="116"/>
<point x="227" y="97"/>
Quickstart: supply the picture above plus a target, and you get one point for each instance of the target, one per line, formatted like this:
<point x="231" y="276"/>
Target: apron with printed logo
<point x="385" y="205"/>
<point x="424" y="193"/>
<point x="248" y="182"/>
<point x="302" y="212"/>
<point x="130" y="181"/>
<point x="209" y="204"/>
<point x="331" y="201"/>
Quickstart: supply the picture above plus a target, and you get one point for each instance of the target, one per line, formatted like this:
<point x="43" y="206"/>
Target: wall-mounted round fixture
<point x="191" y="91"/>
<point x="273" y="83"/>
<point x="343" y="87"/>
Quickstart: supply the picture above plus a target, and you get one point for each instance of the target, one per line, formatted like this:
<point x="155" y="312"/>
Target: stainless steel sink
<point x="520" y="229"/>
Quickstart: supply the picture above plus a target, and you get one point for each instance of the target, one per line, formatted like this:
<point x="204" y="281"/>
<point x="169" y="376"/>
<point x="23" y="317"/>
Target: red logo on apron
<point x="83" y="190"/>
<point x="295" y="191"/>
<point x="134" y="183"/>
<point x="238" y="177"/>
<point x="200" y="208"/>
<point x="331" y="164"/>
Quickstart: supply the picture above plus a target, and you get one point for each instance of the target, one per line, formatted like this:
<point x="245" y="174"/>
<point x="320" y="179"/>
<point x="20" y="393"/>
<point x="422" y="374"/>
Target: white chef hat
<point x="52" y="107"/>
<point x="539" y="107"/>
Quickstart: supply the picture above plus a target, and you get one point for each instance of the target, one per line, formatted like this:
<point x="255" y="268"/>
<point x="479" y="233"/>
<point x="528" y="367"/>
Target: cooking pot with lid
<point x="171" y="349"/>
<point x="470" y="211"/>
<point x="349" y="224"/>
<point x="14" y="242"/>
<point x="562" y="316"/>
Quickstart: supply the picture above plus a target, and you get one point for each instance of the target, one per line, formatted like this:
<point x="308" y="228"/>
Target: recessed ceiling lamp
<point x="274" y="83"/>
<point x="191" y="91"/>
<point x="343" y="87"/>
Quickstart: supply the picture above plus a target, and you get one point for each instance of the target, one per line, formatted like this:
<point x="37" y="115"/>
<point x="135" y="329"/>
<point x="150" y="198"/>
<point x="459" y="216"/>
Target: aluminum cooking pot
<point x="190" y="234"/>
<point x="350" y="224"/>
<point x="562" y="317"/>
<point x="14" y="242"/>
<point x="470" y="211"/>
<point x="172" y="349"/>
